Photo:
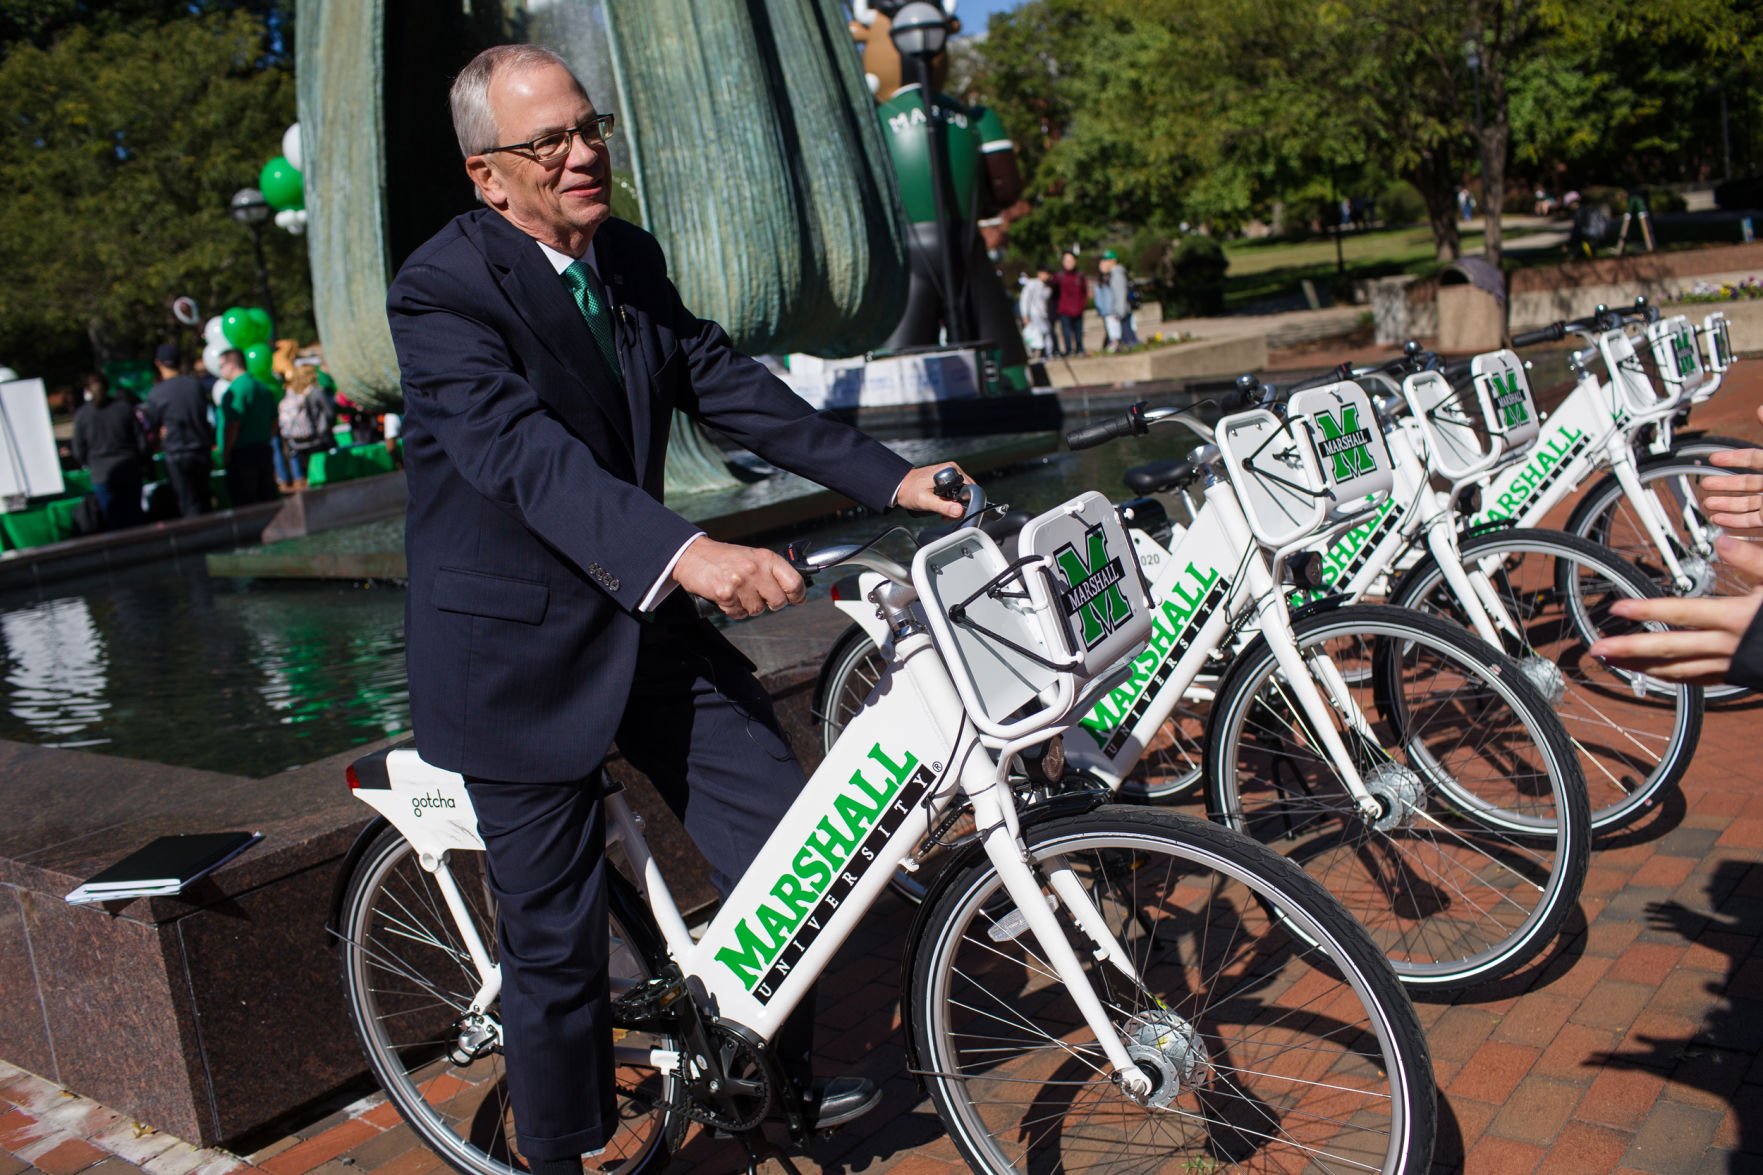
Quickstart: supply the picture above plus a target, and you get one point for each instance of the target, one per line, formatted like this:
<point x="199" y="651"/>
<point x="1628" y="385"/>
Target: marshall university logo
<point x="1509" y="399"/>
<point x="1093" y="586"/>
<point x="1346" y="444"/>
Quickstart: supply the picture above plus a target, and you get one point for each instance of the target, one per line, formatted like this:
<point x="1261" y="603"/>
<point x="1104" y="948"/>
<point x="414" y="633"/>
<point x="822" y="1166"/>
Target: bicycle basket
<point x="1455" y="437"/>
<point x="1675" y="351"/>
<point x="1718" y="330"/>
<point x="1350" y="448"/>
<point x="1631" y="390"/>
<point x="1073" y="607"/>
<point x="1507" y="406"/>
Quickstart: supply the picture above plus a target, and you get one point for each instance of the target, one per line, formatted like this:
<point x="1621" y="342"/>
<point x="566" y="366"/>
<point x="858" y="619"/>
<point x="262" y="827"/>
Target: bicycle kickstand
<point x="766" y="1149"/>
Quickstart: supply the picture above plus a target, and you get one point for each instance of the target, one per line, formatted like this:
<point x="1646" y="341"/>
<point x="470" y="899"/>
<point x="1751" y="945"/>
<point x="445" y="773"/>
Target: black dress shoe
<point x="838" y="1100"/>
<point x="834" y="1101"/>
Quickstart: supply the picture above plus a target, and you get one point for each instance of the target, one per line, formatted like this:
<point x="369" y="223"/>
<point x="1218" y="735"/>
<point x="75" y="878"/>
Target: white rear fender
<point x="428" y="805"/>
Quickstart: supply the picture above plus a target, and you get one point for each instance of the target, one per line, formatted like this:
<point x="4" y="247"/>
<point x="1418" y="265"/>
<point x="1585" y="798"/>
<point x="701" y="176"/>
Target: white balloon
<point x="220" y="387"/>
<point x="213" y="334"/>
<point x="291" y="147"/>
<point x="292" y="219"/>
<point x="211" y="360"/>
<point x="7" y="375"/>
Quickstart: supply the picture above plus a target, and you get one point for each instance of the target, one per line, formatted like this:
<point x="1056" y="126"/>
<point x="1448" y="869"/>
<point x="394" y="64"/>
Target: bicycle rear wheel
<point x="408" y="981"/>
<point x="1481" y="844"/>
<point x="1277" y="1036"/>
<point x="1635" y="735"/>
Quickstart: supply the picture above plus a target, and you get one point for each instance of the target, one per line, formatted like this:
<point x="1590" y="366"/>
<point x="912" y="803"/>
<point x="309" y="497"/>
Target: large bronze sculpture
<point x="754" y="155"/>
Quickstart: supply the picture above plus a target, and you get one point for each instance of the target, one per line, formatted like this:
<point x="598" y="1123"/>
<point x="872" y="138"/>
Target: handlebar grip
<point x="1553" y="333"/>
<point x="1098" y="434"/>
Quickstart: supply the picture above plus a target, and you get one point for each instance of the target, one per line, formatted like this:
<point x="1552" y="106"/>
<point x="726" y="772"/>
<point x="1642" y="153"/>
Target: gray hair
<point x="473" y="124"/>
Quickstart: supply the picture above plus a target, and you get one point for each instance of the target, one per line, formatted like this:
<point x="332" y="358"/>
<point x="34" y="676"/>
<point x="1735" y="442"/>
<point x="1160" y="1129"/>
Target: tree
<point x="123" y="145"/>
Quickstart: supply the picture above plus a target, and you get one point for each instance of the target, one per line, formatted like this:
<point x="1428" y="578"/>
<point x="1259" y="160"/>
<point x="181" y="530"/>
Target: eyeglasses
<point x="548" y="148"/>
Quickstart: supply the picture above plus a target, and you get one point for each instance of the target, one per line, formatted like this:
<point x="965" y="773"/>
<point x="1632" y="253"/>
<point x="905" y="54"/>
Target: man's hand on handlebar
<point x="742" y="581"/>
<point x="919" y="491"/>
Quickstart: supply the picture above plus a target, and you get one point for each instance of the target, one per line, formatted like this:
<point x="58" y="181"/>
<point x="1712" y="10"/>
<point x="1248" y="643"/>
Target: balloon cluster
<point x="283" y="186"/>
<point x="246" y="328"/>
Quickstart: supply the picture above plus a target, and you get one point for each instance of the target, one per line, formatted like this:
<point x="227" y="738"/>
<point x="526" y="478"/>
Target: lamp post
<point x="1472" y="58"/>
<point x="919" y="31"/>
<point x="250" y="209"/>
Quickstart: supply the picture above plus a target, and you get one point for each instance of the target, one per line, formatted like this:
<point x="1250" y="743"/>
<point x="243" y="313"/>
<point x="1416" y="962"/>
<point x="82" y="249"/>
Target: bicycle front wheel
<point x="409" y="981"/>
<point x="1635" y="735"/>
<point x="1276" y="1036"/>
<point x="1478" y="848"/>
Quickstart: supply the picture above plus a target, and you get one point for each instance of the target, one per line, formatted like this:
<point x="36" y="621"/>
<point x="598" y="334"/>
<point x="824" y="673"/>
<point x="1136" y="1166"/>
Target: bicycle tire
<point x="1603" y="515"/>
<point x="1481" y="851"/>
<point x="1295" y="1050"/>
<point x="847" y="677"/>
<point x="1632" y="747"/>
<point x="1704" y="444"/>
<point x="406" y="980"/>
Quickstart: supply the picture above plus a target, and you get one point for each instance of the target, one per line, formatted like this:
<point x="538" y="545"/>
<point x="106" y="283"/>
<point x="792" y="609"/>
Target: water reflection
<point x="162" y="663"/>
<point x="56" y="664"/>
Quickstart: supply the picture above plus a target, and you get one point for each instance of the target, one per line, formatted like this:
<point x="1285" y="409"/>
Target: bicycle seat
<point x="1156" y="477"/>
<point x="1002" y="529"/>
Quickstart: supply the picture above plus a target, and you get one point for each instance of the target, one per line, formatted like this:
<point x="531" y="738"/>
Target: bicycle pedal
<point x="649" y="1004"/>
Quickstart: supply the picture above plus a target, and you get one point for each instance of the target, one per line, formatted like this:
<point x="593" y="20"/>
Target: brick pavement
<point x="1635" y="1045"/>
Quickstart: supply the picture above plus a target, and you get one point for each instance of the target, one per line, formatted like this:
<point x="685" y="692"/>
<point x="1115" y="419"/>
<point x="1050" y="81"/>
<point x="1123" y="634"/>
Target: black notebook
<point x="165" y="866"/>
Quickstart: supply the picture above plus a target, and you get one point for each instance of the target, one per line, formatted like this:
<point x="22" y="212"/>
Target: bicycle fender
<point x="1488" y="527"/>
<point x="1075" y="804"/>
<point x="1327" y="604"/>
<point x="340" y="886"/>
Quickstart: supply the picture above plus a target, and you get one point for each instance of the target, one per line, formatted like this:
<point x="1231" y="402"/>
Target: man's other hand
<point x="918" y="491"/>
<point x="742" y="581"/>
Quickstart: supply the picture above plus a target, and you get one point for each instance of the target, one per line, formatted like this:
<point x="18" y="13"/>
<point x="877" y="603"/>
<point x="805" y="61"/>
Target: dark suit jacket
<point x="535" y="523"/>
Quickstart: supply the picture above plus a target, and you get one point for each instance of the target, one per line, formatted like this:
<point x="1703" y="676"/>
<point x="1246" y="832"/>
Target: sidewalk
<point x="1637" y="1047"/>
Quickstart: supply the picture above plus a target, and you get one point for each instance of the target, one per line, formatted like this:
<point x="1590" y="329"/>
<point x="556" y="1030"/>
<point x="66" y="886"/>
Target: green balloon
<point x="236" y="328"/>
<point x="260" y="362"/>
<point x="261" y="327"/>
<point x="281" y="184"/>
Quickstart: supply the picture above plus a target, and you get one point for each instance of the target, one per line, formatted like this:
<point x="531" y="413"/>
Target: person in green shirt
<point x="248" y="420"/>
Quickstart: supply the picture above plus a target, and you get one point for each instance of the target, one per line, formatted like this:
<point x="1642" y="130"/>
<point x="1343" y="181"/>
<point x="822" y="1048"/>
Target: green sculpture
<point x="754" y="157"/>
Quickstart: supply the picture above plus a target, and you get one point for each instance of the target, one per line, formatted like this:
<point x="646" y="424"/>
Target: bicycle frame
<point x="881" y="790"/>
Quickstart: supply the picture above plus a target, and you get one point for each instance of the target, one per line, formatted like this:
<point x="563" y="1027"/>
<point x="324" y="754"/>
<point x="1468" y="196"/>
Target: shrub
<point x="1401" y="205"/>
<point x="1196" y="285"/>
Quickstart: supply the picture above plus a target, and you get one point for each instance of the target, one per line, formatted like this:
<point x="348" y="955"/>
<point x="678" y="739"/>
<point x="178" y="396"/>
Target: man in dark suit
<point x="543" y="350"/>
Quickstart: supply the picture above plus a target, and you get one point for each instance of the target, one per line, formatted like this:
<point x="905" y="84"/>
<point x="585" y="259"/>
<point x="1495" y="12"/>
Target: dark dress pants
<point x="189" y="474"/>
<point x="702" y="729"/>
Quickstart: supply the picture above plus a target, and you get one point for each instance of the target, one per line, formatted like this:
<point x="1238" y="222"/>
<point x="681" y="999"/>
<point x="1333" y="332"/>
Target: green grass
<point x="1268" y="269"/>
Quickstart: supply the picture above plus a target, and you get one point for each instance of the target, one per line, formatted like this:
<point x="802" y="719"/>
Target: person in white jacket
<point x="1032" y="312"/>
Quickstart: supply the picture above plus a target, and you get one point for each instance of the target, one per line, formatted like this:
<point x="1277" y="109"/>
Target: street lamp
<point x="250" y="209"/>
<point x="919" y="31"/>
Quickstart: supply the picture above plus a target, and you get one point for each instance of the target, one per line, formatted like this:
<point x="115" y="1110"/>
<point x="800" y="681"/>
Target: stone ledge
<point x="213" y="1013"/>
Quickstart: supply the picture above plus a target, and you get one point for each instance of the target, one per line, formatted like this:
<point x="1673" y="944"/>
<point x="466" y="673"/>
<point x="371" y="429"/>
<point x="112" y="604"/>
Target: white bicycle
<point x="1087" y="987"/>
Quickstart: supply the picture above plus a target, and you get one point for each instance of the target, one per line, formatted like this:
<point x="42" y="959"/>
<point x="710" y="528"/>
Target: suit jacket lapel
<point x="539" y="295"/>
<point x="639" y="394"/>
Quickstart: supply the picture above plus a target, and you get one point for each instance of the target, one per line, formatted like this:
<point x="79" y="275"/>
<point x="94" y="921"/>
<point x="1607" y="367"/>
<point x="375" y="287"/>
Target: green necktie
<point x="590" y="298"/>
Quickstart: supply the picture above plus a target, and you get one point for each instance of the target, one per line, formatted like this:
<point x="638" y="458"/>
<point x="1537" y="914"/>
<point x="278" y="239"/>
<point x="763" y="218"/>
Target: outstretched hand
<point x="1735" y="501"/>
<point x="742" y="581"/>
<point x="918" y="492"/>
<point x="1707" y="631"/>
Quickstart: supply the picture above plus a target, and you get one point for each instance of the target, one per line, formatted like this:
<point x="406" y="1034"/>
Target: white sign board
<point x="29" y="464"/>
<point x="899" y="379"/>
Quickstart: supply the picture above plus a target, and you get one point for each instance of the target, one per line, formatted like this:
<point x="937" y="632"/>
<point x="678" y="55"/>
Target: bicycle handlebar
<point x="1553" y="333"/>
<point x="1132" y="424"/>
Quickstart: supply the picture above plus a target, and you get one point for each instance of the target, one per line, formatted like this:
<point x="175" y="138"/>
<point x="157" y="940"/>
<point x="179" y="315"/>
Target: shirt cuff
<point x="895" y="500"/>
<point x="663" y="586"/>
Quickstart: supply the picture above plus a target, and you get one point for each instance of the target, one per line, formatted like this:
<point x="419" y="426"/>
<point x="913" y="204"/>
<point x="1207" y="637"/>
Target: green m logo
<point x="1684" y="351"/>
<point x="1346" y="444"/>
<point x="1093" y="586"/>
<point x="1509" y="401"/>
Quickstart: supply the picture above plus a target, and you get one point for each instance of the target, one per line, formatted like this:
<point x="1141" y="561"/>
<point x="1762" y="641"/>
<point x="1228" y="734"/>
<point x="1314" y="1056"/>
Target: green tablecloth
<point x="347" y="464"/>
